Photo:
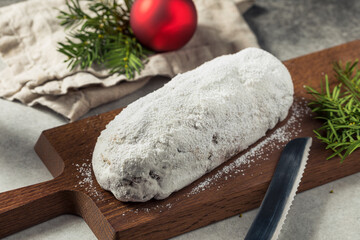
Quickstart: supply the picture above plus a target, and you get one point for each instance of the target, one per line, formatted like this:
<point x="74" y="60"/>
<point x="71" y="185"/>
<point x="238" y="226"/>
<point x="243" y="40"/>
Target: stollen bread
<point x="174" y="135"/>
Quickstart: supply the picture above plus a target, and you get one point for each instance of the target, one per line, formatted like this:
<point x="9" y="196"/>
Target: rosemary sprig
<point x="339" y="109"/>
<point x="102" y="35"/>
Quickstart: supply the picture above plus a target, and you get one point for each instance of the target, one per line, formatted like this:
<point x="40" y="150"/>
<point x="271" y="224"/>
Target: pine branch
<point x="102" y="36"/>
<point x="339" y="109"/>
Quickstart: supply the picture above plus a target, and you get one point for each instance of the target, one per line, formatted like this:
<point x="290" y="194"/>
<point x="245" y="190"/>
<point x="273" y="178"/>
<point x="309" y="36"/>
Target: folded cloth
<point x="34" y="72"/>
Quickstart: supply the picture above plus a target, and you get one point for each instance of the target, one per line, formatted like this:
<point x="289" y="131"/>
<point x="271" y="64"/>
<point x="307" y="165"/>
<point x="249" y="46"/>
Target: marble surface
<point x="287" y="29"/>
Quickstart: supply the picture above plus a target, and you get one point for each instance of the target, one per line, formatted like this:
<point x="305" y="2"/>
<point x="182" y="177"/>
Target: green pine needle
<point x="102" y="36"/>
<point x="339" y="109"/>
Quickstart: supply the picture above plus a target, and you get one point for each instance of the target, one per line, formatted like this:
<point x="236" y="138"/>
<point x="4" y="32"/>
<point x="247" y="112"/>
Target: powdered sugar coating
<point x="171" y="137"/>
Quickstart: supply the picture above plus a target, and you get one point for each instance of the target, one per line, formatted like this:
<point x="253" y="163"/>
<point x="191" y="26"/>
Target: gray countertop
<point x="285" y="28"/>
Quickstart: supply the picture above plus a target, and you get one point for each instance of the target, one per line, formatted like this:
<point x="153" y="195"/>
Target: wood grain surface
<point x="230" y="189"/>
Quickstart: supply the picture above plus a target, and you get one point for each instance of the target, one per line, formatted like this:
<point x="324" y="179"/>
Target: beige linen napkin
<point x="33" y="72"/>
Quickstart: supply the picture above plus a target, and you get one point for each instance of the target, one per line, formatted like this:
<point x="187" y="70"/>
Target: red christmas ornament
<point x="163" y="25"/>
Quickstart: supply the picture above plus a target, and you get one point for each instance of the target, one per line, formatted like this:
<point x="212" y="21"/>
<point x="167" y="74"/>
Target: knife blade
<point x="281" y="191"/>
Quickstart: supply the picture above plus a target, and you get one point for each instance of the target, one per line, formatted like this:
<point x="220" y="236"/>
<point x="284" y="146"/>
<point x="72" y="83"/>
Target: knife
<point x="281" y="191"/>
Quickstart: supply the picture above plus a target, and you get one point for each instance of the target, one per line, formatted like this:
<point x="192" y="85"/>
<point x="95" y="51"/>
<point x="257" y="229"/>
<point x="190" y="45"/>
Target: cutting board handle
<point x="24" y="207"/>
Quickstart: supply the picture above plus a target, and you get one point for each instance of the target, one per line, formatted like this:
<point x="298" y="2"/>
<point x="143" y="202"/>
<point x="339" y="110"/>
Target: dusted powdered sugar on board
<point x="86" y="179"/>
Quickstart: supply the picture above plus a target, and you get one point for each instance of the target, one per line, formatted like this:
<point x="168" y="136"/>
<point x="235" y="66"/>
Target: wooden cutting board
<point x="235" y="187"/>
